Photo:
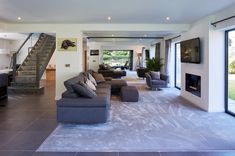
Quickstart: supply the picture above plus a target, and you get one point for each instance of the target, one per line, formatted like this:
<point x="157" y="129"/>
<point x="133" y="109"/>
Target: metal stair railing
<point x="15" y="54"/>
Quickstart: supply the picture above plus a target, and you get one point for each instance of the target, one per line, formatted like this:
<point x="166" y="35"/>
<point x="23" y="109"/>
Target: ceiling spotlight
<point x="168" y="18"/>
<point x="19" y="18"/>
<point x="109" y="18"/>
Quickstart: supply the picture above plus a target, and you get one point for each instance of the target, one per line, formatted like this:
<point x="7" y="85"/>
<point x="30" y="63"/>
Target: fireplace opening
<point x="193" y="84"/>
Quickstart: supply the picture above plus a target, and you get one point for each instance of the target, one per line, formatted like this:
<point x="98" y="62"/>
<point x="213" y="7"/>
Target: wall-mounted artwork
<point x="94" y="52"/>
<point x="67" y="44"/>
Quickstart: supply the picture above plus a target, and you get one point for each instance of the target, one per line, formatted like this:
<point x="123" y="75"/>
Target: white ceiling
<point x="121" y="11"/>
<point x="97" y="11"/>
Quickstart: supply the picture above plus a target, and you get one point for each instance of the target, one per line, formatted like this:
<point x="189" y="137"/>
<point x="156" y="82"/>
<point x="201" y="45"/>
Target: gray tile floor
<point x="27" y="120"/>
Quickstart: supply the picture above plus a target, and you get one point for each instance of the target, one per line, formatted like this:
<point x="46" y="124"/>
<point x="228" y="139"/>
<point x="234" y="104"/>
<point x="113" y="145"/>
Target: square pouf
<point x="129" y="94"/>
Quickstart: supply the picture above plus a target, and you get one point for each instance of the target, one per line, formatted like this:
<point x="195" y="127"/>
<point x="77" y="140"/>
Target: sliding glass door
<point x="230" y="72"/>
<point x="177" y="66"/>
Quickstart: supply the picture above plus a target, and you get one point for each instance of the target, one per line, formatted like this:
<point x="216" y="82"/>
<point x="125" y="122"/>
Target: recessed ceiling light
<point x="109" y="18"/>
<point x="19" y="18"/>
<point x="168" y="18"/>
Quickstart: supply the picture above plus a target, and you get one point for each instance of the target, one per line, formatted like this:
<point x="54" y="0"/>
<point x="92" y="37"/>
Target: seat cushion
<point x="103" y="85"/>
<point x="83" y="90"/>
<point x="105" y="92"/>
<point x="155" y="75"/>
<point x="158" y="82"/>
<point x="68" y="94"/>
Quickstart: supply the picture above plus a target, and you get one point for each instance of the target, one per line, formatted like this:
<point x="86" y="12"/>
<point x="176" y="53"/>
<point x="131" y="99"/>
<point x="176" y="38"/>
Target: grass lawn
<point x="231" y="89"/>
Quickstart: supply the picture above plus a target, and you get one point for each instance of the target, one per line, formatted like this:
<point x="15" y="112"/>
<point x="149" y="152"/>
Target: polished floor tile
<point x="26" y="140"/>
<point x="139" y="154"/>
<point x="16" y="153"/>
<point x="54" y="154"/>
<point x="181" y="154"/>
<point x="97" y="154"/>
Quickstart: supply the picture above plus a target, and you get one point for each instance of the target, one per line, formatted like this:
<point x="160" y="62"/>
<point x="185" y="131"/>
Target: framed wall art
<point x="67" y="44"/>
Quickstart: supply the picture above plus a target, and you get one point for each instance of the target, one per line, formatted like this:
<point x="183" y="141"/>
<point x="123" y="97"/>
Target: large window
<point x="177" y="66"/>
<point x="230" y="72"/>
<point x="116" y="57"/>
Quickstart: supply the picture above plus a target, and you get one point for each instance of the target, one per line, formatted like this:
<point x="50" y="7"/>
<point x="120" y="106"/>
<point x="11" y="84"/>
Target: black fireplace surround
<point x="193" y="84"/>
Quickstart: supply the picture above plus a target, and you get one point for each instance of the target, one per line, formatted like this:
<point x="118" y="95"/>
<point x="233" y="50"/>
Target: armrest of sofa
<point x="164" y="77"/>
<point x="148" y="79"/>
<point x="99" y="101"/>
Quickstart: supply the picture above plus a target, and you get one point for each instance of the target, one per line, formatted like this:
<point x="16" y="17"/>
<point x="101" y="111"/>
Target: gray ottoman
<point x="129" y="94"/>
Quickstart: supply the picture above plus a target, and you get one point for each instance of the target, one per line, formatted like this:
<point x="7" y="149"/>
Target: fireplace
<point x="193" y="84"/>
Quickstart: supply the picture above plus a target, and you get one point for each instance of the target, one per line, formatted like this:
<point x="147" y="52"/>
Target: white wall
<point x="211" y="68"/>
<point x="94" y="60"/>
<point x="5" y="48"/>
<point x="74" y="59"/>
<point x="199" y="29"/>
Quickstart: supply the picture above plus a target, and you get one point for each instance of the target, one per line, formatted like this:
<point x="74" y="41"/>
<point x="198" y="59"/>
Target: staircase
<point x="28" y="75"/>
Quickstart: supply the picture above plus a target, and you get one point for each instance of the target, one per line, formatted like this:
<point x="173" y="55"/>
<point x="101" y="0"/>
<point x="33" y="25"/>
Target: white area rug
<point x="160" y="121"/>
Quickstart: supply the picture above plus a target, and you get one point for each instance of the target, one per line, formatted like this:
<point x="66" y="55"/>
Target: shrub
<point x="232" y="67"/>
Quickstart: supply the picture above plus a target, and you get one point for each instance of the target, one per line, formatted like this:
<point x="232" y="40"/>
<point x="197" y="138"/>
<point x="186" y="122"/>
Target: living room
<point x="211" y="71"/>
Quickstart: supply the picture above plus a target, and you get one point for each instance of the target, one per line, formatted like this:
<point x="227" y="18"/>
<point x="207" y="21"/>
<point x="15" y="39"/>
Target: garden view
<point x="116" y="57"/>
<point x="231" y="69"/>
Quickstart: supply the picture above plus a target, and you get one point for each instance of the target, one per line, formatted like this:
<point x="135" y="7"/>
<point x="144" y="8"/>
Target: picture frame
<point x="67" y="44"/>
<point x="94" y="52"/>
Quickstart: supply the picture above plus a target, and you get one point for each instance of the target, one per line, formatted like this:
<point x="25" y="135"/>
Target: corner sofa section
<point x="72" y="108"/>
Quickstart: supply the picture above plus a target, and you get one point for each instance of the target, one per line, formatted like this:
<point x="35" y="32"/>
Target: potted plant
<point x="154" y="64"/>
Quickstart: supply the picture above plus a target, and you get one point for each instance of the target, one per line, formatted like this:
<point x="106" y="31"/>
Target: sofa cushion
<point x="69" y="83"/>
<point x="99" y="77"/>
<point x="103" y="90"/>
<point x="90" y="84"/>
<point x="155" y="75"/>
<point x="83" y="90"/>
<point x="158" y="82"/>
<point x="92" y="79"/>
<point x="103" y="85"/>
<point x="68" y="94"/>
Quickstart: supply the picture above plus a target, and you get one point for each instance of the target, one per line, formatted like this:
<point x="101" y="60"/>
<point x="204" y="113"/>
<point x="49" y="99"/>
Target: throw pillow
<point x="98" y="77"/>
<point x="90" y="84"/>
<point x="155" y="75"/>
<point x="92" y="79"/>
<point x="83" y="91"/>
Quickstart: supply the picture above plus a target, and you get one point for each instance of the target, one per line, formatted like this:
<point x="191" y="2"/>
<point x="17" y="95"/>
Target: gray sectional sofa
<point x="72" y="108"/>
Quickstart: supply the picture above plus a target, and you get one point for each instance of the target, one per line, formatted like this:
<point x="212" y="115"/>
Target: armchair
<point x="154" y="84"/>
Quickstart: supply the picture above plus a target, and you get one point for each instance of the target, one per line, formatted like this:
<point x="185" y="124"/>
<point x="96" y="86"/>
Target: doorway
<point x="230" y="72"/>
